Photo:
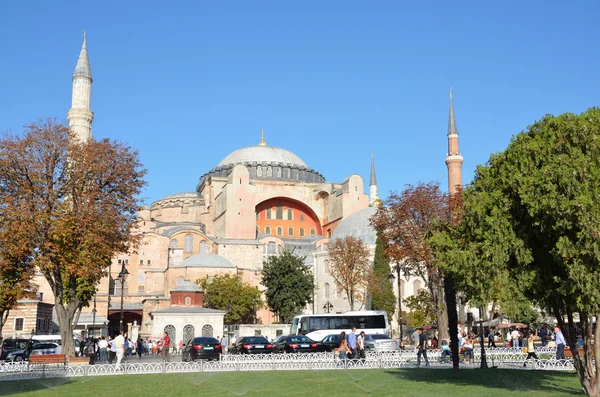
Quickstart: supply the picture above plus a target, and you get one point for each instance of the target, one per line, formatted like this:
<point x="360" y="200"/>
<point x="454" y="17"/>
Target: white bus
<point x="318" y="326"/>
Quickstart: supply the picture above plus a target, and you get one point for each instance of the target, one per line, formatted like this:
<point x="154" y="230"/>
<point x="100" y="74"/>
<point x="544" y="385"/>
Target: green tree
<point x="227" y="290"/>
<point x="382" y="290"/>
<point x="289" y="282"/>
<point x="531" y="219"/>
<point x="422" y="309"/>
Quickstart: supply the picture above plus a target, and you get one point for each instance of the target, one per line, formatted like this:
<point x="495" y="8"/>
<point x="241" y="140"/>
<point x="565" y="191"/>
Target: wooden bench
<point x="569" y="353"/>
<point x="79" y="361"/>
<point x="47" y="359"/>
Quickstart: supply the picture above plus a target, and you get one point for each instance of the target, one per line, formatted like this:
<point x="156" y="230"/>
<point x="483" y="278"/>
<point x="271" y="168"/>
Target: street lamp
<point x="327" y="307"/>
<point x="94" y="316"/>
<point x="391" y="277"/>
<point x="122" y="277"/>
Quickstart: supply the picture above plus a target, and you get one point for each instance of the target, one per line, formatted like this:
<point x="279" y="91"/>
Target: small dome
<point x="357" y="225"/>
<point x="262" y="154"/>
<point x="207" y="260"/>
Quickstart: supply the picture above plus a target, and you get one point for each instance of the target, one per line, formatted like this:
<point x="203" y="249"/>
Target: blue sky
<point x="188" y="82"/>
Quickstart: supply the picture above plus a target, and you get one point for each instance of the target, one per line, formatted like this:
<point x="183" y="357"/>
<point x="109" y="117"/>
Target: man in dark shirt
<point x="422" y="348"/>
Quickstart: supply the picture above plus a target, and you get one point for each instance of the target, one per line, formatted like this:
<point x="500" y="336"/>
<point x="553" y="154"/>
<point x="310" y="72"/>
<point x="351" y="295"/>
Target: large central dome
<point x="263" y="154"/>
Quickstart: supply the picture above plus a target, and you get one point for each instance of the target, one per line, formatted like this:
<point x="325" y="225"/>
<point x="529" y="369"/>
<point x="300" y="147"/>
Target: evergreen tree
<point x="290" y="284"/>
<point x="382" y="290"/>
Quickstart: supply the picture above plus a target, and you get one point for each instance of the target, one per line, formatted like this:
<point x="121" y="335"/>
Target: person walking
<point x="360" y="343"/>
<point x="352" y="343"/>
<point x="140" y="347"/>
<point x="119" y="343"/>
<point x="515" y="338"/>
<point x="165" y="347"/>
<point x="112" y="353"/>
<point x="343" y="348"/>
<point x="560" y="343"/>
<point x="422" y="348"/>
<point x="492" y="338"/>
<point x="530" y="348"/>
<point x="102" y="346"/>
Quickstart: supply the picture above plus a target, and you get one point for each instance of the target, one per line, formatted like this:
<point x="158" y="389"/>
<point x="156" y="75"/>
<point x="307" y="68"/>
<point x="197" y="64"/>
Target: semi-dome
<point x="207" y="260"/>
<point x="263" y="154"/>
<point x="357" y="225"/>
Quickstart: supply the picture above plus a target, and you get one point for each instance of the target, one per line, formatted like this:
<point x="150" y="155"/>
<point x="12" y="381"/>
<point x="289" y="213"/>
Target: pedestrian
<point x="224" y="344"/>
<point x="560" y="343"/>
<point x="165" y="347"/>
<point x="343" y="348"/>
<point x="140" y="347"/>
<point x="360" y="343"/>
<point x="352" y="343"/>
<point x="92" y="349"/>
<point x="112" y="354"/>
<point x="515" y="338"/>
<point x="530" y="348"/>
<point x="468" y="356"/>
<point x="492" y="338"/>
<point x="415" y="338"/>
<point x="543" y="336"/>
<point x="102" y="346"/>
<point x="422" y="348"/>
<point x="119" y="343"/>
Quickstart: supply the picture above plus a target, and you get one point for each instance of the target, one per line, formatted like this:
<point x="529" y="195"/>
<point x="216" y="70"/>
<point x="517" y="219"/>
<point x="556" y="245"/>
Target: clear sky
<point x="188" y="82"/>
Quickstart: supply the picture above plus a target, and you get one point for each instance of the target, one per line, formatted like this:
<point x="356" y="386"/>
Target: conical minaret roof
<point x="452" y="128"/>
<point x="373" y="180"/>
<point x="83" y="63"/>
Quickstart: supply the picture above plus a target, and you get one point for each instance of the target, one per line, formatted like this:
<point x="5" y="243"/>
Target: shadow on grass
<point x="11" y="387"/>
<point x="506" y="379"/>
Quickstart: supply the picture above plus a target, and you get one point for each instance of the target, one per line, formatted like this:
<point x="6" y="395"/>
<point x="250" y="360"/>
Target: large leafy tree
<point x="350" y="267"/>
<point x="422" y="310"/>
<point x="534" y="219"/>
<point x="381" y="289"/>
<point x="405" y="221"/>
<point x="227" y="291"/>
<point x="289" y="282"/>
<point x="15" y="279"/>
<point x="72" y="206"/>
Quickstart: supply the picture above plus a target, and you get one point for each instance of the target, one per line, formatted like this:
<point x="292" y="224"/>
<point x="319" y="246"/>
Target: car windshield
<point x="378" y="336"/>
<point x="255" y="340"/>
<point x="205" y="340"/>
<point x="299" y="339"/>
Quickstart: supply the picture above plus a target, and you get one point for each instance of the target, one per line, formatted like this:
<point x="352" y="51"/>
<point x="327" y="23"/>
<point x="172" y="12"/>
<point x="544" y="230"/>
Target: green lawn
<point x="377" y="382"/>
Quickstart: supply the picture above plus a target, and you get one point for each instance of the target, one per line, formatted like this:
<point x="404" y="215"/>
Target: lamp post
<point x="399" y="282"/>
<point x="122" y="277"/>
<point x="327" y="307"/>
<point x="94" y="316"/>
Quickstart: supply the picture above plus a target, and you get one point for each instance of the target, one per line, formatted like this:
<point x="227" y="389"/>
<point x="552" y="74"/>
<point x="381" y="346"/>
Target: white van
<point x="56" y="339"/>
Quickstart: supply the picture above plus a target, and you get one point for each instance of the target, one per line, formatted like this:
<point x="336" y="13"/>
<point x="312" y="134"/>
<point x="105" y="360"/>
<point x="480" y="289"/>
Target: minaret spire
<point x="373" y="190"/>
<point x="454" y="159"/>
<point x="80" y="116"/>
<point x="262" y="138"/>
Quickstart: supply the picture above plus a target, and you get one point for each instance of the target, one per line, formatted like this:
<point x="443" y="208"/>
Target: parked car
<point x="36" y="349"/>
<point x="202" y="348"/>
<point x="251" y="345"/>
<point x="329" y="343"/>
<point x="380" y="343"/>
<point x="296" y="344"/>
<point x="10" y="345"/>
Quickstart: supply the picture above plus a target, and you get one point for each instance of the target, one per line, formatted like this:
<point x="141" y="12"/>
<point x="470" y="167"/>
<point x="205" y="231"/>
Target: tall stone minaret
<point x="80" y="116"/>
<point x="373" y="192"/>
<point x="454" y="159"/>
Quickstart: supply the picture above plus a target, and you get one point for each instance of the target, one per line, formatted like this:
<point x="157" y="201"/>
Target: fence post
<point x="43" y="371"/>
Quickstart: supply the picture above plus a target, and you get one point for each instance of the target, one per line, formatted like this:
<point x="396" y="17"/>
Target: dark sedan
<point x="252" y="345"/>
<point x="296" y="344"/>
<point x="203" y="348"/>
<point x="329" y="343"/>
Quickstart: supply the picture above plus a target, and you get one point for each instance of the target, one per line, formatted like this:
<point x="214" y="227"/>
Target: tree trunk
<point x="450" y="295"/>
<point x="440" y="308"/>
<point x="65" y="317"/>
<point x="3" y="318"/>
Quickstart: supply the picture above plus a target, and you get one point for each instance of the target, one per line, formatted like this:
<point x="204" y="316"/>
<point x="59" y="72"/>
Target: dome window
<point x="259" y="171"/>
<point x="279" y="230"/>
<point x="189" y="243"/>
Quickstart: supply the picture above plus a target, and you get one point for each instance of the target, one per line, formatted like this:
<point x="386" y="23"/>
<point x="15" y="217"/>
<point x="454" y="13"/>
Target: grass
<point x="377" y="382"/>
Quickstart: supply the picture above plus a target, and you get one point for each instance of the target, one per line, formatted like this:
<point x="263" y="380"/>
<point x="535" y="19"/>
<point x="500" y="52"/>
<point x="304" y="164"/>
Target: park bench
<point x="569" y="353"/>
<point x="48" y="359"/>
<point x="79" y="361"/>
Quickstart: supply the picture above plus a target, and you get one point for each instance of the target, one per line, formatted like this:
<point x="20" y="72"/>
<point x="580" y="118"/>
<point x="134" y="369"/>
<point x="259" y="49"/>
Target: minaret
<point x="80" y="116"/>
<point x="454" y="159"/>
<point x="373" y="192"/>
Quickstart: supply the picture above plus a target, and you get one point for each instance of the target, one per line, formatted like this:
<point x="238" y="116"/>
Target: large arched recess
<point x="303" y="217"/>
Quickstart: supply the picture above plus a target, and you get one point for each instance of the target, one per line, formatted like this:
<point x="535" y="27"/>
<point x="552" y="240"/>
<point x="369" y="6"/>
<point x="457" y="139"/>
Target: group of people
<point x="101" y="350"/>
<point x="352" y="346"/>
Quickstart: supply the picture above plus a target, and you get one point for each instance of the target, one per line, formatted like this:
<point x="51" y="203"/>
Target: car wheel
<point x="18" y="359"/>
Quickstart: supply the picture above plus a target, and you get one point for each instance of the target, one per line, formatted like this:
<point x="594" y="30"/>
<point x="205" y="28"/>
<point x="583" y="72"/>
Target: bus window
<point x="294" y="330"/>
<point x="303" y="327"/>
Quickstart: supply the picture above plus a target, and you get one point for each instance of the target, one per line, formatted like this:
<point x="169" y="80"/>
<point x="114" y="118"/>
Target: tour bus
<point x="318" y="326"/>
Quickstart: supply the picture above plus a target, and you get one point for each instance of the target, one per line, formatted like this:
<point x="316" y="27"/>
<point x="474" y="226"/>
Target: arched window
<point x="268" y="229"/>
<point x="269" y="171"/>
<point x="290" y="231"/>
<point x="188" y="333"/>
<point x="258" y="170"/>
<point x="290" y="214"/>
<point x="279" y="211"/>
<point x="189" y="243"/>
<point x="416" y="286"/>
<point x="327" y="292"/>
<point x="207" y="331"/>
<point x="301" y="232"/>
<point x="188" y="301"/>
<point x="326" y="266"/>
<point x="268" y="213"/>
<point x="301" y="217"/>
<point x="279" y="230"/>
<point x="312" y="231"/>
<point x="173" y="244"/>
<point x="203" y="247"/>
<point x="278" y="172"/>
<point x="271" y="248"/>
<point x="170" y="330"/>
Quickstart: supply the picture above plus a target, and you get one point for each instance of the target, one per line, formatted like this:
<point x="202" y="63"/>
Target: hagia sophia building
<point x="258" y="201"/>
